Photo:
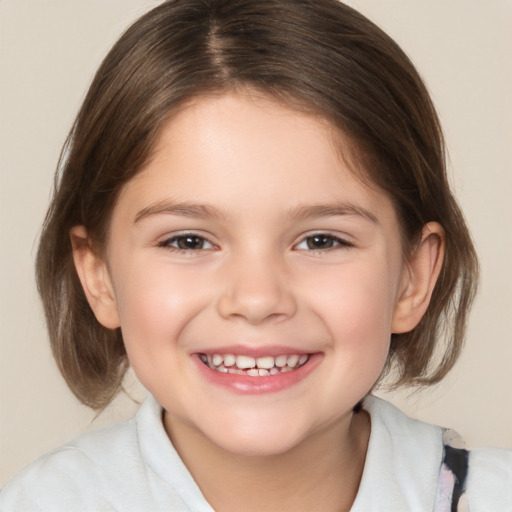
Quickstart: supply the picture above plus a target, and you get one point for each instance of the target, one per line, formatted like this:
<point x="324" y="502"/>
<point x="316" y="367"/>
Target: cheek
<point x="155" y="303"/>
<point x="356" y="303"/>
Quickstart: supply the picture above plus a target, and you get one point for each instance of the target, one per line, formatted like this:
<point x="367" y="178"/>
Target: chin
<point x="257" y="439"/>
<point x="256" y="447"/>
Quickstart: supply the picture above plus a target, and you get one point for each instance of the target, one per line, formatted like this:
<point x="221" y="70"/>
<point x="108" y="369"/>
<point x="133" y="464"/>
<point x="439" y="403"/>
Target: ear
<point x="419" y="278"/>
<point x="95" y="278"/>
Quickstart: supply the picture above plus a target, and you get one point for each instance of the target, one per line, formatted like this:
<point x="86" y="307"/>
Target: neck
<point x="322" y="473"/>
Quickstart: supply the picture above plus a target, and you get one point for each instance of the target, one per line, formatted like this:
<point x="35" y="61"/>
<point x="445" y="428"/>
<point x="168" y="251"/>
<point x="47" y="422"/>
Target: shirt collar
<point x="402" y="462"/>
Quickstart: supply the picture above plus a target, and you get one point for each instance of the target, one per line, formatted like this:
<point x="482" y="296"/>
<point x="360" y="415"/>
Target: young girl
<point x="253" y="212"/>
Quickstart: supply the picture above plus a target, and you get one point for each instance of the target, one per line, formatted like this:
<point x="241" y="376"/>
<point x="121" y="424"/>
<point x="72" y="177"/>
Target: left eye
<point x="321" y="241"/>
<point x="187" y="242"/>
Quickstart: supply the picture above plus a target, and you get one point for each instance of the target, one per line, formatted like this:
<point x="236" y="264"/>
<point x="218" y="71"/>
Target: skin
<point x="254" y="277"/>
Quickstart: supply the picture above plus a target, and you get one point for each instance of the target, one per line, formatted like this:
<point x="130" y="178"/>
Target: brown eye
<point x="190" y="242"/>
<point x="320" y="241"/>
<point x="186" y="242"/>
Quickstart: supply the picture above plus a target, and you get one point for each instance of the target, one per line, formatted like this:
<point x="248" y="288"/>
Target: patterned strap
<point x="451" y="495"/>
<point x="456" y="460"/>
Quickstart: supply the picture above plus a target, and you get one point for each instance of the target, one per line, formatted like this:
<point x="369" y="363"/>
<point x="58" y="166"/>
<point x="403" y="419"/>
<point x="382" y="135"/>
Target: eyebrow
<point x="201" y="211"/>
<point x="333" y="210"/>
<point x="181" y="209"/>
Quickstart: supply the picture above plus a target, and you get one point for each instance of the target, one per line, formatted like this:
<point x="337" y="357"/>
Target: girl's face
<point x="246" y="241"/>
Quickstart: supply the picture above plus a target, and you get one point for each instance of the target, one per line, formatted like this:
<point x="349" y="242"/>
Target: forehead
<point x="246" y="151"/>
<point x="221" y="124"/>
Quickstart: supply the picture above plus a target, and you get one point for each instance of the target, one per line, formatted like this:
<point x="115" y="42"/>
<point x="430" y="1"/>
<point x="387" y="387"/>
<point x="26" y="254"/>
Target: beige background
<point x="49" y="50"/>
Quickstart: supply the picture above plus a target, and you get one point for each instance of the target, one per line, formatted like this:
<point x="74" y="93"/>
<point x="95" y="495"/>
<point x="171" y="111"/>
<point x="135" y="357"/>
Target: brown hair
<point x="319" y="54"/>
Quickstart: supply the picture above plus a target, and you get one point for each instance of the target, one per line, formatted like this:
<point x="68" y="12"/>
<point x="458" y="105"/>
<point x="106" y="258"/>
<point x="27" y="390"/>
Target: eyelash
<point x="333" y="241"/>
<point x="336" y="242"/>
<point x="167" y="243"/>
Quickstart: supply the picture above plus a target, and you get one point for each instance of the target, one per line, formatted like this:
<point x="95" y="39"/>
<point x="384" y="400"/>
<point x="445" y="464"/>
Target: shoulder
<point x="129" y="466"/>
<point x="403" y="465"/>
<point x="489" y="481"/>
<point x="73" y="477"/>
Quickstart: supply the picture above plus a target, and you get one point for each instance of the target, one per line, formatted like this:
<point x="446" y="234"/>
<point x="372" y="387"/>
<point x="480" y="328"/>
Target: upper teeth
<point x="247" y="362"/>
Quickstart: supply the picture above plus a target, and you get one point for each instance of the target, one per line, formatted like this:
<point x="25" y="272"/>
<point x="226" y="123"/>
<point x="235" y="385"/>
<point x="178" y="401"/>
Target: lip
<point x="245" y="384"/>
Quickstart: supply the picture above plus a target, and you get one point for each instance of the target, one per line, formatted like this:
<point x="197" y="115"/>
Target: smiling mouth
<point x="254" y="367"/>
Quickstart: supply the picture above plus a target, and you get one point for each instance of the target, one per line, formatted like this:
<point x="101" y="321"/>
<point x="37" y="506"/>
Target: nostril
<point x="256" y="308"/>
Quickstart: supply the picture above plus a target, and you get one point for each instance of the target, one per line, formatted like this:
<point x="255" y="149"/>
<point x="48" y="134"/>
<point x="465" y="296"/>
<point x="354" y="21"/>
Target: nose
<point x="257" y="290"/>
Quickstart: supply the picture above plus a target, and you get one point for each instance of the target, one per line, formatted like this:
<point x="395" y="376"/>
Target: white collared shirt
<point x="133" y="466"/>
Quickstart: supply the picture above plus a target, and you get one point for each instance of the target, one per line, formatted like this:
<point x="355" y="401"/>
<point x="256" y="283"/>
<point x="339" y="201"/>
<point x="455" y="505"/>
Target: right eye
<point x="186" y="242"/>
